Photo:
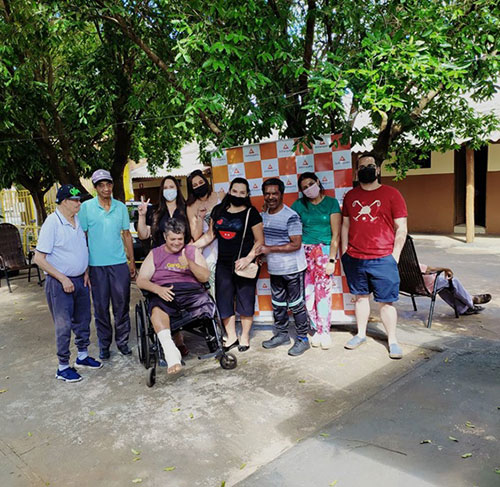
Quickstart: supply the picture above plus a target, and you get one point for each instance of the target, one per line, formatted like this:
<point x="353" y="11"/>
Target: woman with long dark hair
<point x="171" y="205"/>
<point x="321" y="222"/>
<point x="199" y="205"/>
<point x="237" y="226"/>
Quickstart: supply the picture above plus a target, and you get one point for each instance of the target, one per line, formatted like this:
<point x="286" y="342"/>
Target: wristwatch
<point x="332" y="261"/>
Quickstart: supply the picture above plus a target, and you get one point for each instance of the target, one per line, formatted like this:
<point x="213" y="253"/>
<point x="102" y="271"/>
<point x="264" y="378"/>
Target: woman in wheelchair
<point x="174" y="273"/>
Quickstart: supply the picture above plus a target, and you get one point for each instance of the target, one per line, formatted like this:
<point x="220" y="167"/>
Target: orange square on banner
<point x="323" y="161"/>
<point x="330" y="192"/>
<point x="290" y="198"/>
<point x="258" y="202"/>
<point x="263" y="274"/>
<point x="253" y="170"/>
<point x="343" y="178"/>
<point x="303" y="150"/>
<point x="265" y="303"/>
<point x="268" y="151"/>
<point x="337" y="145"/>
<point x="234" y="155"/>
<point x="220" y="174"/>
<point x="287" y="165"/>
<point x="337" y="301"/>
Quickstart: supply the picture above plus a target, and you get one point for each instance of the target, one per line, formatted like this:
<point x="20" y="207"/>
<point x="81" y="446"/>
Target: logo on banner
<point x="270" y="168"/>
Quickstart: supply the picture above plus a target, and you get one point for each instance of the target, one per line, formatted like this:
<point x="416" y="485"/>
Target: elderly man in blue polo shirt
<point x="62" y="254"/>
<point x="107" y="224"/>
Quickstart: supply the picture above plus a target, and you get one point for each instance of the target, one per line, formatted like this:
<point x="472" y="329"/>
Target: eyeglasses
<point x="368" y="165"/>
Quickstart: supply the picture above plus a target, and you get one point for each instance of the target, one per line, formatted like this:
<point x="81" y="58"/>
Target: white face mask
<point x="170" y="194"/>
<point x="312" y="191"/>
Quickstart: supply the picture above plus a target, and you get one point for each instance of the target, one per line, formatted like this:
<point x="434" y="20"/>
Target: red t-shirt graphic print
<point x="371" y="220"/>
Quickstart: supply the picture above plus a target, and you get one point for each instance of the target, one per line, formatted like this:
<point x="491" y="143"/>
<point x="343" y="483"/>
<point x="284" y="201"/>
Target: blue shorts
<point x="377" y="276"/>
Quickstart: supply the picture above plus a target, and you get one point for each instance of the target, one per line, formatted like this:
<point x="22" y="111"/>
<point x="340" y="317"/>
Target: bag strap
<point x="244" y="233"/>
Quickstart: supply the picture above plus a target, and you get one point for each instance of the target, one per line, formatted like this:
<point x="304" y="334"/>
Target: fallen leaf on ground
<point x="319" y="400"/>
<point x="91" y="413"/>
<point x="425" y="441"/>
<point x="452" y="438"/>
<point x="469" y="424"/>
<point x="324" y="435"/>
<point x="135" y="452"/>
<point x="497" y="470"/>
<point x="446" y="360"/>
<point x="137" y="481"/>
<point x="191" y="415"/>
<point x="223" y="483"/>
<point x="2" y="391"/>
<point x="242" y="466"/>
<point x="302" y="381"/>
<point x="466" y="455"/>
<point x="169" y="469"/>
<point x="30" y="434"/>
<point x="333" y="483"/>
<point x="136" y="459"/>
<point x="176" y="410"/>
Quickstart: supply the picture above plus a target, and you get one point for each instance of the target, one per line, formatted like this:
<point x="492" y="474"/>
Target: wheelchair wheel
<point x="151" y="377"/>
<point x="228" y="361"/>
<point x="140" y="330"/>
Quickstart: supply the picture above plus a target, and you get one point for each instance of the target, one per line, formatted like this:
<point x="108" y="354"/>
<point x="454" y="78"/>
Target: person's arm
<point x="258" y="235"/>
<point x="41" y="261"/>
<point x="143" y="230"/>
<point x="129" y="250"/>
<point x="195" y="221"/>
<point x="198" y="266"/>
<point x="433" y="270"/>
<point x="144" y="280"/>
<point x="292" y="246"/>
<point x="207" y="238"/>
<point x="400" y="236"/>
<point x="344" y="234"/>
<point x="335" y="224"/>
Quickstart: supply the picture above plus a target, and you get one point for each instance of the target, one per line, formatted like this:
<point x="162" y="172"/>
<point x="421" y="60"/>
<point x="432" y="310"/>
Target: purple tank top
<point x="167" y="267"/>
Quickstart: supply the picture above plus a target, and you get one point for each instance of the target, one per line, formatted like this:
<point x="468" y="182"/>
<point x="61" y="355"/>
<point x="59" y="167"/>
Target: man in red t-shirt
<point x="373" y="235"/>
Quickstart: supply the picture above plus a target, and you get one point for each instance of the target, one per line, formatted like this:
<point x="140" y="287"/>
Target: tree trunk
<point x="41" y="212"/>
<point x="469" y="196"/>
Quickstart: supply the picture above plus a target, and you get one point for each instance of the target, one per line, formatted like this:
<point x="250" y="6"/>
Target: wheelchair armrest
<point x="206" y="285"/>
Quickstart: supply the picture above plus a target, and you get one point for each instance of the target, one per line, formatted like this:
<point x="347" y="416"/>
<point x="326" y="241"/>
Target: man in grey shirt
<point x="286" y="263"/>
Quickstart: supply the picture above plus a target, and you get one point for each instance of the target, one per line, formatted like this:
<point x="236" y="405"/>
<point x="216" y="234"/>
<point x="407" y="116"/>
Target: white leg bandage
<point x="172" y="354"/>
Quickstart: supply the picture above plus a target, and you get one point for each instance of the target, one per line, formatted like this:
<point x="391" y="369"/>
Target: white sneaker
<point x="325" y="340"/>
<point x="315" y="340"/>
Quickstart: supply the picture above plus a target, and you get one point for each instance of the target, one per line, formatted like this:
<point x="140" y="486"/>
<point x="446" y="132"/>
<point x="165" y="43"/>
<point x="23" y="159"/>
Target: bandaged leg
<point x="172" y="353"/>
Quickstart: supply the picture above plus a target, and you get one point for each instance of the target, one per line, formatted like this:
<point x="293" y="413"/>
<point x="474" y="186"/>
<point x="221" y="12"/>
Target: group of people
<point x="221" y="239"/>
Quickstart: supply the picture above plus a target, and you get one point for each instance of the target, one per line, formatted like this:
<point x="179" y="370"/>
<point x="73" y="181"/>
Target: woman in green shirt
<point x="321" y="222"/>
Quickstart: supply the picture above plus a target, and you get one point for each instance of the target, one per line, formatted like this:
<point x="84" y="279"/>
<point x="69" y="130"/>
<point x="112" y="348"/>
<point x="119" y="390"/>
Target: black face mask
<point x="367" y="174"/>
<point x="237" y="200"/>
<point x="201" y="191"/>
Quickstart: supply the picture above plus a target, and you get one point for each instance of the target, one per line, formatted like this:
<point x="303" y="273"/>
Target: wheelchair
<point x="208" y="327"/>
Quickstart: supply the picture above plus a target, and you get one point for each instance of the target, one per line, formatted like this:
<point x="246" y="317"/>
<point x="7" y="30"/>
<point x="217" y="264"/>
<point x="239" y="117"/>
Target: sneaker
<point x="355" y="342"/>
<point x="395" y="351"/>
<point x="104" y="353"/>
<point x="473" y="311"/>
<point x="276" y="341"/>
<point x="315" y="340"/>
<point x="326" y="341"/>
<point x="299" y="347"/>
<point x="89" y="362"/>
<point x="68" y="375"/>
<point x="124" y="350"/>
<point x="481" y="298"/>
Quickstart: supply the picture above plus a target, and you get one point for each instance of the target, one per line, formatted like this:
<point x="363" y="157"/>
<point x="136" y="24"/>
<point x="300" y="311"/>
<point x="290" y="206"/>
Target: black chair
<point x="12" y="256"/>
<point x="412" y="282"/>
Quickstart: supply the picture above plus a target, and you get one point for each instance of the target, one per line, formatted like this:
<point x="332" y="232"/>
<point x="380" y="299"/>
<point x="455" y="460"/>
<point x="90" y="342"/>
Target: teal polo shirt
<point x="104" y="231"/>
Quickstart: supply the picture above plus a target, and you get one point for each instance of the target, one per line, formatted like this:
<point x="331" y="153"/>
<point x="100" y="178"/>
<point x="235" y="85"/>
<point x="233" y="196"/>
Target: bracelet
<point x="332" y="261"/>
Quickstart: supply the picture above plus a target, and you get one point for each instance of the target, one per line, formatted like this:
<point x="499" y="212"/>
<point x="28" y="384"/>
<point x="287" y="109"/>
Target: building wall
<point x="493" y="190"/>
<point x="429" y="194"/>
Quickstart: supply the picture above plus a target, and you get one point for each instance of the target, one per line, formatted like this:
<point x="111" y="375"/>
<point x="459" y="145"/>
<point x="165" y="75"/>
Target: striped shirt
<point x="278" y="228"/>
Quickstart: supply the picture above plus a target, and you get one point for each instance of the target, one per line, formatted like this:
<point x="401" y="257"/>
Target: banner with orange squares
<point x="329" y="159"/>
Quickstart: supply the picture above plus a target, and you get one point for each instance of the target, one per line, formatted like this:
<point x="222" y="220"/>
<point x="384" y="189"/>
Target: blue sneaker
<point x="395" y="351"/>
<point x="68" y="375"/>
<point x="355" y="342"/>
<point x="89" y="362"/>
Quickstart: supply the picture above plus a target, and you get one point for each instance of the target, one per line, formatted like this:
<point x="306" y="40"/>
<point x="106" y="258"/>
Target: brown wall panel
<point x="493" y="203"/>
<point x="430" y="200"/>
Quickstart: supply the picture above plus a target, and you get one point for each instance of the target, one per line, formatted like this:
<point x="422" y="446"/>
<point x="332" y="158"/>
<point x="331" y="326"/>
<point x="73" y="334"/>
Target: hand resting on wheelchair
<point x="174" y="273"/>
